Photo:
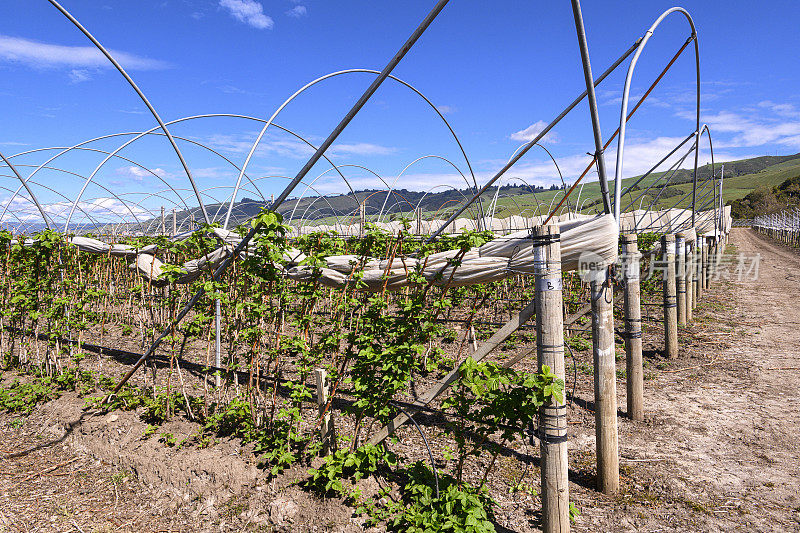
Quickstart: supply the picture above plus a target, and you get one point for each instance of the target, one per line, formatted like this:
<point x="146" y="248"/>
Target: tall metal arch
<point x="626" y="95"/>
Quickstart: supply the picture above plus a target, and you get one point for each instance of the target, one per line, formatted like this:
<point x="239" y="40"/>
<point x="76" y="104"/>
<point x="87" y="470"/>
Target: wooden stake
<point x="680" y="277"/>
<point x="327" y="431"/>
<point x="695" y="273"/>
<point x="550" y="352"/>
<point x="670" y="303"/>
<point x="703" y="262"/>
<point x="473" y="339"/>
<point x="605" y="382"/>
<point x="689" y="282"/>
<point x="633" y="327"/>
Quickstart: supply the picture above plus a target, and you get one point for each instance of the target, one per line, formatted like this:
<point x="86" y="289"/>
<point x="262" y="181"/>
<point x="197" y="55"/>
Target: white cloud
<point x="754" y="130"/>
<point x="215" y="173"/>
<point x="270" y="145"/>
<point x="138" y="174"/>
<point x="297" y="12"/>
<point x="46" y="55"/>
<point x="249" y="12"/>
<point x="283" y="146"/>
<point x="446" y="109"/>
<point x="78" y="75"/>
<point x="101" y="209"/>
<point x="530" y="133"/>
<point x="784" y="110"/>
<point x="640" y="156"/>
<point x="361" y="149"/>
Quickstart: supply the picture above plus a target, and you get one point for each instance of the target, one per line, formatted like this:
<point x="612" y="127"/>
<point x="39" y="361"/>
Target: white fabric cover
<point x="504" y="256"/>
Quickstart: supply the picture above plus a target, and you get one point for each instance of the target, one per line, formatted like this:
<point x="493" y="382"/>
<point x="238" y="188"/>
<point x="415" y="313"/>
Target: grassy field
<point x="736" y="185"/>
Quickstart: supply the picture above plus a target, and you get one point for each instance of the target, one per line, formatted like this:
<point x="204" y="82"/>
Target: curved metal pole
<point x="82" y="148"/>
<point x="139" y="136"/>
<point x="141" y="95"/>
<point x="578" y="200"/>
<point x="629" y="189"/>
<point x="626" y="94"/>
<point x="338" y="169"/>
<point x="391" y="187"/>
<point x="75" y="147"/>
<point x="339" y="73"/>
<point x="535" y="140"/>
<point x="297" y="179"/>
<point x="558" y="169"/>
<point x="282" y="128"/>
<point x="30" y="192"/>
<point x="707" y="131"/>
<point x="429" y="191"/>
<point x="550" y="209"/>
<point x="13" y="213"/>
<point x="533" y="189"/>
<point x="109" y="191"/>
<point x="307" y="187"/>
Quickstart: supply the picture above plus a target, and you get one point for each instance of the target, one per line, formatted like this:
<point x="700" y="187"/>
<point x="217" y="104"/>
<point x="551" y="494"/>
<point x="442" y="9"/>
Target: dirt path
<point x="721" y="448"/>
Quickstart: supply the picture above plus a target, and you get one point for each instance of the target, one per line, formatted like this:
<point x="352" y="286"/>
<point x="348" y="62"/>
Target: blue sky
<point x="497" y="71"/>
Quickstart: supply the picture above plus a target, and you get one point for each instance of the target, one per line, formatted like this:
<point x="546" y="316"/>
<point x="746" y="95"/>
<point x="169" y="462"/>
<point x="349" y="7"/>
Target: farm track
<point x="716" y="453"/>
<point x="719" y="451"/>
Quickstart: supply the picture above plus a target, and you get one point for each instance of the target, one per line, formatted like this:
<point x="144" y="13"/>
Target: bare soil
<point x="718" y="450"/>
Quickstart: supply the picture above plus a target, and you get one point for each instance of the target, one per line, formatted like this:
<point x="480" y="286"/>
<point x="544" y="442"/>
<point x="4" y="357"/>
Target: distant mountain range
<point x="742" y="178"/>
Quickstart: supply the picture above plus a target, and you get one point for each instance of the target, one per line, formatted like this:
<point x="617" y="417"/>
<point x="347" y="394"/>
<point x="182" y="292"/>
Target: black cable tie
<point x="551" y="439"/>
<point x="543" y="240"/>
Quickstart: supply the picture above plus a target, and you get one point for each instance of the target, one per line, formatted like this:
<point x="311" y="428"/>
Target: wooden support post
<point x="680" y="276"/>
<point x="550" y="352"/>
<point x="217" y="342"/>
<point x="605" y="382"/>
<point x="709" y="261"/>
<point x="670" y="303"/>
<point x="163" y="222"/>
<point x="362" y="219"/>
<point x="695" y="273"/>
<point x="419" y="221"/>
<point x="174" y="222"/>
<point x="703" y="264"/>
<point x="327" y="432"/>
<point x="689" y="282"/>
<point x="472" y="338"/>
<point x="633" y="327"/>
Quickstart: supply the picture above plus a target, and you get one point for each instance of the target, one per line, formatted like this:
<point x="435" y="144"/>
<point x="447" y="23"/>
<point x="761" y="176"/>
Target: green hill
<point x="749" y="180"/>
<point x="767" y="200"/>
